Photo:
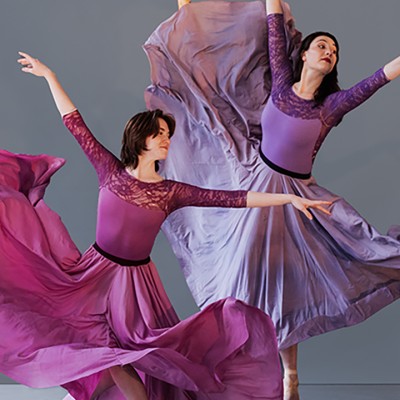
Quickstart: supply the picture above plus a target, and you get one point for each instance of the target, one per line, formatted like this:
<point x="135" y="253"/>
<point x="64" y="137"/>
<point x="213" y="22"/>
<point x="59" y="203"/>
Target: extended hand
<point x="33" y="65"/>
<point x="304" y="204"/>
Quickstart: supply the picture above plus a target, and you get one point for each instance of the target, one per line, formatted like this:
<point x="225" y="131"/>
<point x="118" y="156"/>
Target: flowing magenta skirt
<point x="65" y="317"/>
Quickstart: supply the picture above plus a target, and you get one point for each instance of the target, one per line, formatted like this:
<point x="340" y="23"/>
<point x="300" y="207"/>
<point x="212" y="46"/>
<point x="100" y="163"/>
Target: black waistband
<point x="281" y="170"/>
<point x="121" y="261"/>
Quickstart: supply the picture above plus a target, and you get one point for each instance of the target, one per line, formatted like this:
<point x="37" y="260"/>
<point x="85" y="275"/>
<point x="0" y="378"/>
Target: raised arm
<point x="35" y="67"/>
<point x="184" y="195"/>
<point x="281" y="68"/>
<point x="102" y="160"/>
<point x="340" y="103"/>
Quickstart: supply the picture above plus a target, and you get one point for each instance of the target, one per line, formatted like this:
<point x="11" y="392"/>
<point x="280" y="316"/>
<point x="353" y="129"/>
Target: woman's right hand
<point x="33" y="65"/>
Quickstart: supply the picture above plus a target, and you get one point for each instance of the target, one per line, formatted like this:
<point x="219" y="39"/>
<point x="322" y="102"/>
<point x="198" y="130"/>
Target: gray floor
<point x="308" y="392"/>
<point x="350" y="392"/>
<point x="19" y="392"/>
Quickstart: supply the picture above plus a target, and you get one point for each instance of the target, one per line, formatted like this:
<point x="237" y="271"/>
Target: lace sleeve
<point x="102" y="159"/>
<point x="340" y="103"/>
<point x="281" y="69"/>
<point x="184" y="195"/>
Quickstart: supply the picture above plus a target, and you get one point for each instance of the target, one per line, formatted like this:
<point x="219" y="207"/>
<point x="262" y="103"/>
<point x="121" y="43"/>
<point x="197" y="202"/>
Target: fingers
<point x="328" y="203"/>
<point x="27" y="69"/>
<point x="26" y="57"/>
<point x="324" y="210"/>
<point x="23" y="61"/>
<point x="27" y="61"/>
<point x="318" y="205"/>
<point x="31" y="65"/>
<point x="307" y="213"/>
<point x="314" y="203"/>
<point x="26" y="64"/>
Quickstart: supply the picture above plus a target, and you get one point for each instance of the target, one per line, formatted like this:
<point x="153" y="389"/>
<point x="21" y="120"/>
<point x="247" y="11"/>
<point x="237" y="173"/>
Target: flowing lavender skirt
<point x="209" y="68"/>
<point x="65" y="317"/>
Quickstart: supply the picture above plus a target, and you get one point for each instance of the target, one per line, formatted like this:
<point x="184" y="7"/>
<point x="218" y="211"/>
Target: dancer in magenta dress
<point x="259" y="124"/>
<point x="74" y="320"/>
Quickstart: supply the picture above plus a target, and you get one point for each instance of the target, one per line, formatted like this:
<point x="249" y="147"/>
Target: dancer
<point x="208" y="65"/>
<point x="89" y="322"/>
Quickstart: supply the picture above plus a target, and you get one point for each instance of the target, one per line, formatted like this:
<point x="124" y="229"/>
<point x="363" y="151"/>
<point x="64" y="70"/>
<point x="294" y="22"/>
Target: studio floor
<point x="308" y="392"/>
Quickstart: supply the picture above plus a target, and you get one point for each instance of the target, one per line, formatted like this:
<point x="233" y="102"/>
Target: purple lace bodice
<point x="294" y="128"/>
<point x="130" y="212"/>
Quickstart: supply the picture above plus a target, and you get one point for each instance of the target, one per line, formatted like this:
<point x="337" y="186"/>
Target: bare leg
<point x="128" y="382"/>
<point x="105" y="382"/>
<point x="290" y="380"/>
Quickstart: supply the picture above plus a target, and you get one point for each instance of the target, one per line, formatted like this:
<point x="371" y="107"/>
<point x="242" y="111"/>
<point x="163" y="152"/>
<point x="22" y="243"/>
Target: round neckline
<point x="299" y="97"/>
<point x="139" y="180"/>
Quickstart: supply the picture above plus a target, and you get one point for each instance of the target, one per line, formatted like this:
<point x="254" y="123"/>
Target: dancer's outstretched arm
<point x="101" y="158"/>
<point x="34" y="66"/>
<point x="274" y="7"/>
<point x="257" y="199"/>
<point x="185" y="195"/>
<point x="182" y="3"/>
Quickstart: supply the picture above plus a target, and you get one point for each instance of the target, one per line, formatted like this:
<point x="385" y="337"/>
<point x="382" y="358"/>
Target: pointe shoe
<point x="291" y="385"/>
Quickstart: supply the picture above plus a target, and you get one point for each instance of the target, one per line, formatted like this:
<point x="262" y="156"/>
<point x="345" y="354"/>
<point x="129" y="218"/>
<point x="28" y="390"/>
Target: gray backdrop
<point x="95" y="48"/>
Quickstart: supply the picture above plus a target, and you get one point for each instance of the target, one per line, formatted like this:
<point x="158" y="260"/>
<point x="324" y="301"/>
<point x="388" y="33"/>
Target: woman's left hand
<point x="304" y="204"/>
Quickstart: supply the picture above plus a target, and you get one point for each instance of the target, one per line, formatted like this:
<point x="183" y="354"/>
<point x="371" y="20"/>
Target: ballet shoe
<point x="291" y="385"/>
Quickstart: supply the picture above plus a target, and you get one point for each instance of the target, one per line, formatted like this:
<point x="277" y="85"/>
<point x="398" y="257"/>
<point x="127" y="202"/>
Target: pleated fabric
<point x="65" y="317"/>
<point x="209" y="68"/>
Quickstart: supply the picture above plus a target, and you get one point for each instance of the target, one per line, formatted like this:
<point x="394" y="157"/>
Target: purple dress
<point x="237" y="127"/>
<point x="65" y="317"/>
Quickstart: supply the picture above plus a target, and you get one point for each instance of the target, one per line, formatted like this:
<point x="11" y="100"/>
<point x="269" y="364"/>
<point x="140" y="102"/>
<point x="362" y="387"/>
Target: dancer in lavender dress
<point x="74" y="320"/>
<point x="260" y="124"/>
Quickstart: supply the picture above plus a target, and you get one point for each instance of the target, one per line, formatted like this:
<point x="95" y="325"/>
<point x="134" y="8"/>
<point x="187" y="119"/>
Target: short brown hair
<point x="137" y="130"/>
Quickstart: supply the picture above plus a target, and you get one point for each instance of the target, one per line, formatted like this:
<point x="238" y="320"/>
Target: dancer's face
<point x="321" y="55"/>
<point x="158" y="146"/>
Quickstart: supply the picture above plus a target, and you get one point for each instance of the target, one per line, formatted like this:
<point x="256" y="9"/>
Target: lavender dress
<point x="237" y="127"/>
<point x="65" y="317"/>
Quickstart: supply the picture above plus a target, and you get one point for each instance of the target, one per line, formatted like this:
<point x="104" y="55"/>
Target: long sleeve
<point x="101" y="159"/>
<point x="281" y="69"/>
<point x="184" y="195"/>
<point x="340" y="103"/>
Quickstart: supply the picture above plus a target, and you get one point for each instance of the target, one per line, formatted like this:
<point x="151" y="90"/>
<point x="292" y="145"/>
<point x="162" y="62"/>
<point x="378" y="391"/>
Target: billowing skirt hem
<point x="310" y="277"/>
<point x="65" y="317"/>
